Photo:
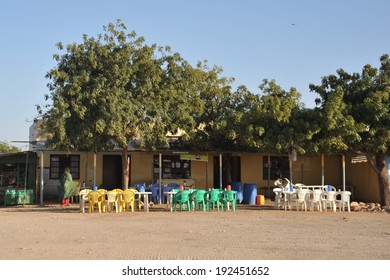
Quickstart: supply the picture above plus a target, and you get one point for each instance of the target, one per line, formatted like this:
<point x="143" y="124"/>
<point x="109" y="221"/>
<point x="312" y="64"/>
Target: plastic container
<point x="141" y="188"/>
<point x="237" y="186"/>
<point x="260" y="199"/>
<point x="329" y="188"/>
<point x="250" y="193"/>
<point x="291" y="187"/>
<point x="95" y="188"/>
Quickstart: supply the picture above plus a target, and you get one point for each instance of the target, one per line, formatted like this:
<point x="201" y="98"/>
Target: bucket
<point x="237" y="186"/>
<point x="260" y="199"/>
<point x="250" y="192"/>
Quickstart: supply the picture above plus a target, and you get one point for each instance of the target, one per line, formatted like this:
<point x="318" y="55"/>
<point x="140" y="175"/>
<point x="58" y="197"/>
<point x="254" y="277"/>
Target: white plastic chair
<point x="301" y="198"/>
<point x="315" y="198"/>
<point x="329" y="197"/>
<point x="83" y="198"/>
<point x="344" y="200"/>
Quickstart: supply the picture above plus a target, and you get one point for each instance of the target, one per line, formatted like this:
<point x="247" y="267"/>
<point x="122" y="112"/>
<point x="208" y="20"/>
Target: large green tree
<point x="113" y="90"/>
<point x="355" y="112"/>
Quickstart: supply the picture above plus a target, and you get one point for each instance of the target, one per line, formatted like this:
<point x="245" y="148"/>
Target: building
<point x="205" y="170"/>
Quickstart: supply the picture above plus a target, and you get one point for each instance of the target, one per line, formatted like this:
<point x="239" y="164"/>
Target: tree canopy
<point x="355" y="112"/>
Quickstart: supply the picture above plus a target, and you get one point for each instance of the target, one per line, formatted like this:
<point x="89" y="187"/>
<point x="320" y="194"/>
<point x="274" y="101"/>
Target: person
<point x="68" y="188"/>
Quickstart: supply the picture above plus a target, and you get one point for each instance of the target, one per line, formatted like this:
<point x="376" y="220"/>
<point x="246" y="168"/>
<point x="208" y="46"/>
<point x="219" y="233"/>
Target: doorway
<point x="112" y="172"/>
<point x="231" y="170"/>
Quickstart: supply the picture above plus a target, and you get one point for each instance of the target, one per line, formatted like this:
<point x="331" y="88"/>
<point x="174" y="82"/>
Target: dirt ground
<point x="250" y="233"/>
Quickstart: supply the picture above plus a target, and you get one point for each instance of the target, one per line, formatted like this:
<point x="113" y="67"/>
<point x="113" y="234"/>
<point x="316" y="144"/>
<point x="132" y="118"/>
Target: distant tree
<point x="355" y="112"/>
<point x="114" y="89"/>
<point x="6" y="148"/>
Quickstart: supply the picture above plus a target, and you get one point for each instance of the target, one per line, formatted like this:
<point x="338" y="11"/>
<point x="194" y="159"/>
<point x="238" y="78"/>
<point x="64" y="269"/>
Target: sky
<point x="294" y="42"/>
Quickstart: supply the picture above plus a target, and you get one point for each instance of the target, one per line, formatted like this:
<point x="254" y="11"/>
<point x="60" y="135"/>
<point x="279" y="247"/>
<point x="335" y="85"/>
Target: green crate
<point x="14" y="197"/>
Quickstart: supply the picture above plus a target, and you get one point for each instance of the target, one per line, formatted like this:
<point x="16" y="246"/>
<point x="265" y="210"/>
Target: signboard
<point x="194" y="157"/>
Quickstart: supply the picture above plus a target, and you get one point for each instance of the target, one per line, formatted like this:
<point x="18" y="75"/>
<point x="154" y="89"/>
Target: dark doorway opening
<point x="231" y="170"/>
<point x="112" y="172"/>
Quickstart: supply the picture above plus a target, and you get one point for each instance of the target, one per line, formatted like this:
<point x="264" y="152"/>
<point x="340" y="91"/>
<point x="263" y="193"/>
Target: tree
<point x="114" y="89"/>
<point x="280" y="121"/>
<point x="355" y="111"/>
<point x="6" y="148"/>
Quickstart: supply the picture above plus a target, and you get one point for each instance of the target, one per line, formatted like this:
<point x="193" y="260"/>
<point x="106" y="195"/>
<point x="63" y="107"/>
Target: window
<point x="279" y="168"/>
<point x="58" y="163"/>
<point x="172" y="168"/>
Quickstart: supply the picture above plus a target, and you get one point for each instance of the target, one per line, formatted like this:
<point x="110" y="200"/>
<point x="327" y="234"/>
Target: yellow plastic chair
<point x="95" y="199"/>
<point x="138" y="203"/>
<point x="128" y="200"/>
<point x="114" y="200"/>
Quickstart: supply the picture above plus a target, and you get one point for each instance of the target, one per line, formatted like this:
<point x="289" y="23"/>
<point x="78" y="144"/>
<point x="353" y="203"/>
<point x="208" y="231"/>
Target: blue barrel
<point x="250" y="192"/>
<point x="237" y="186"/>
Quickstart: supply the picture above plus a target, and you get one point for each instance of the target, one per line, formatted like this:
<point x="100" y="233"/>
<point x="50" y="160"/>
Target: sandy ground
<point x="252" y="233"/>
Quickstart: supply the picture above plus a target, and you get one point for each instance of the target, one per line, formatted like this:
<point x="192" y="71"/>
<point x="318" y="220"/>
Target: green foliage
<point x="113" y="89"/>
<point x="6" y="148"/>
<point x="355" y="110"/>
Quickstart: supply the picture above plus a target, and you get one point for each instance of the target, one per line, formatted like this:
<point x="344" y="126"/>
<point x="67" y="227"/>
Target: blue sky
<point x="295" y="42"/>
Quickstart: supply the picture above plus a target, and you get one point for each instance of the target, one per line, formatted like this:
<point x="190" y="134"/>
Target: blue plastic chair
<point x="155" y="189"/>
<point x="174" y="185"/>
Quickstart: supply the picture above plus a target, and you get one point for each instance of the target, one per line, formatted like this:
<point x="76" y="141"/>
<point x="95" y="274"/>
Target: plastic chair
<point x="114" y="199"/>
<point x="344" y="200"/>
<point x="182" y="198"/>
<point x="174" y="185"/>
<point x="301" y="198"/>
<point x="118" y="190"/>
<point x="329" y="197"/>
<point x="128" y="200"/>
<point x="230" y="197"/>
<point x="214" y="198"/>
<point x="315" y="198"/>
<point x="198" y="197"/>
<point x="138" y="203"/>
<point x="95" y="199"/>
<point x="83" y="198"/>
<point x="155" y="189"/>
<point x="164" y="197"/>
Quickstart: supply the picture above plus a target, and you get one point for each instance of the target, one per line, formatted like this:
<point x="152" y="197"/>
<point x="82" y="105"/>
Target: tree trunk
<point x="383" y="181"/>
<point x="125" y="169"/>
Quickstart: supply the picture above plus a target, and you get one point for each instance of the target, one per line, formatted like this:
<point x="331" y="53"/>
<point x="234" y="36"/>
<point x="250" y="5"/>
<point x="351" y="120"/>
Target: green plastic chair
<point x="198" y="197"/>
<point x="181" y="198"/>
<point x="214" y="198"/>
<point x="230" y="197"/>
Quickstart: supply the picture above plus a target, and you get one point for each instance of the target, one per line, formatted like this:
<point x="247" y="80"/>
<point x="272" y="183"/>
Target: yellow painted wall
<point x="252" y="170"/>
<point x="198" y="172"/>
<point x="364" y="179"/>
<point x="141" y="168"/>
